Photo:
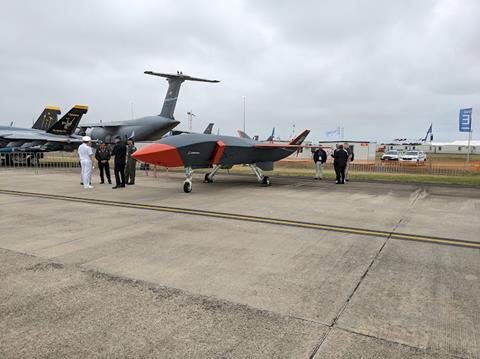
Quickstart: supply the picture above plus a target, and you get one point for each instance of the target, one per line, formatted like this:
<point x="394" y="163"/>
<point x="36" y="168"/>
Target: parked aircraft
<point x="194" y="151"/>
<point x="149" y="128"/>
<point x="58" y="136"/>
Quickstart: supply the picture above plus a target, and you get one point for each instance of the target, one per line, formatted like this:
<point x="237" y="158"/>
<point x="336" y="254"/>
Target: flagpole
<point x="468" y="145"/>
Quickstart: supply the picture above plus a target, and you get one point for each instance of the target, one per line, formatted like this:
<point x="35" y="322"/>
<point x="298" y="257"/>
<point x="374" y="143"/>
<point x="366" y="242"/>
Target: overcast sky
<point x="380" y="69"/>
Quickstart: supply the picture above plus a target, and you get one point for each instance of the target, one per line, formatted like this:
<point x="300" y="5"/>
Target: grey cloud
<point x="380" y="69"/>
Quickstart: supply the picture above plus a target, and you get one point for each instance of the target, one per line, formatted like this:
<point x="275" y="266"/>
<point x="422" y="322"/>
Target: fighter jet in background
<point x="194" y="151"/>
<point x="149" y="128"/>
<point x="58" y="136"/>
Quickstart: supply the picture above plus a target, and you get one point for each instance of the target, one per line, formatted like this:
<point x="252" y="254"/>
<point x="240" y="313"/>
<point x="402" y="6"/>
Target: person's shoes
<point x="122" y="186"/>
<point x="115" y="187"/>
<point x="347" y="180"/>
<point x="337" y="182"/>
<point x="315" y="178"/>
<point x="102" y="182"/>
<point x="130" y="183"/>
<point x="90" y="187"/>
<point x="81" y="183"/>
<point x="343" y="182"/>
<point x="109" y="182"/>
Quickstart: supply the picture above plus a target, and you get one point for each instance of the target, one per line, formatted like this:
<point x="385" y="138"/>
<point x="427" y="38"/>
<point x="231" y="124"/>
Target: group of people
<point x="124" y="163"/>
<point x="342" y="156"/>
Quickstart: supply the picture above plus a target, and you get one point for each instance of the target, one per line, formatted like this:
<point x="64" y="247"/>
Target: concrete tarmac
<point x="88" y="280"/>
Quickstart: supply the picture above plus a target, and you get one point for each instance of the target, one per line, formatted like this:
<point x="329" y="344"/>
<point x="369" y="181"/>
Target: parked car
<point x="414" y="157"/>
<point x="391" y="155"/>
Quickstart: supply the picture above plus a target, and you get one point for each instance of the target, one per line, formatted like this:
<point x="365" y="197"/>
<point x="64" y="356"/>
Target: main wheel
<point x="207" y="178"/>
<point x="187" y="186"/>
<point x="266" y="181"/>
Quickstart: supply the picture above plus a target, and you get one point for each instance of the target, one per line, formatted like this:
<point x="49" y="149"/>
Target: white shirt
<point x="84" y="152"/>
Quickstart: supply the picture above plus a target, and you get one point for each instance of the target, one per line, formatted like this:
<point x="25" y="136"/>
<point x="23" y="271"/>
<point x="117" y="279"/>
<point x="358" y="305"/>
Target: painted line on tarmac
<point x="258" y="219"/>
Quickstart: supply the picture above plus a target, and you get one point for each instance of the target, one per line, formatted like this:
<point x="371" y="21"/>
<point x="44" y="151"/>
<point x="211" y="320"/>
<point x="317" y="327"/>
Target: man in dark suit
<point x="319" y="157"/>
<point x="340" y="158"/>
<point x="120" y="153"/>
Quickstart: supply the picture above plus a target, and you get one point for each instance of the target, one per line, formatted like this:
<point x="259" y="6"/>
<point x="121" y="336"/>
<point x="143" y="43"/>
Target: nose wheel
<point x="187" y="186"/>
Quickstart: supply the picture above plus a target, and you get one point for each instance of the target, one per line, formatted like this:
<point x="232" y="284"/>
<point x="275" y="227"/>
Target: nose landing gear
<point x="187" y="185"/>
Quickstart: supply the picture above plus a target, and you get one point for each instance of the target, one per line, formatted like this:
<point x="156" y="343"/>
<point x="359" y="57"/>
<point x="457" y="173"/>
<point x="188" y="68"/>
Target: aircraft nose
<point x="159" y="154"/>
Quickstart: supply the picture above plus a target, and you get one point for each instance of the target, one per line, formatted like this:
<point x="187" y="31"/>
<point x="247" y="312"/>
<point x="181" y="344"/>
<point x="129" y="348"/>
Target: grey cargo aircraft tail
<point x="174" y="83"/>
<point x="148" y="128"/>
<point x="47" y="118"/>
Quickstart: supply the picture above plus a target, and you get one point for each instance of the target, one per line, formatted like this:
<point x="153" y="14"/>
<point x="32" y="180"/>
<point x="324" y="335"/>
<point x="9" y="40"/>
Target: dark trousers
<point x="119" y="174"/>
<point x="104" y="167"/>
<point x="340" y="171"/>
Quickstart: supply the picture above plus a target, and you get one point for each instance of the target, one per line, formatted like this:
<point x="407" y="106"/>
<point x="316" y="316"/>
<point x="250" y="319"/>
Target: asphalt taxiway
<point x="300" y="269"/>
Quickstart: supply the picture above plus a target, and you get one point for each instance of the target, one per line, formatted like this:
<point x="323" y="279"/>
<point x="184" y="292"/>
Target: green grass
<point x="465" y="179"/>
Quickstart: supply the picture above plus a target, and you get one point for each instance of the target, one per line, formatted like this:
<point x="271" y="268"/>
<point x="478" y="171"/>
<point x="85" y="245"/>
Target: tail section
<point x="174" y="83"/>
<point x="68" y="123"/>
<point x="208" y="130"/>
<point x="47" y="118"/>
<point x="271" y="137"/>
<point x="242" y="134"/>
<point x="300" y="138"/>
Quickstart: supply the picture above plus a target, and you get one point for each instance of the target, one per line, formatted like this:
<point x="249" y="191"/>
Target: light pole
<point x="244" y="111"/>
<point x="190" y="117"/>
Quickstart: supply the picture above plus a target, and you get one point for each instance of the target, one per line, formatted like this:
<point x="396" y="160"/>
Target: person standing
<point x="340" y="157"/>
<point x="350" y="159"/>
<point x="131" y="162"/>
<point x="102" y="156"/>
<point x="120" y="153"/>
<point x="319" y="157"/>
<point x="85" y="153"/>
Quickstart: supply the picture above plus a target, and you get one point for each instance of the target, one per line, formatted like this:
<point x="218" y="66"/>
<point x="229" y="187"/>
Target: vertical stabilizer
<point x="174" y="83"/>
<point x="47" y="118"/>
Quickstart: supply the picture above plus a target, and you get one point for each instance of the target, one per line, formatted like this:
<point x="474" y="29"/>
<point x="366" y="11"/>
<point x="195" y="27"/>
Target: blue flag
<point x="465" y="120"/>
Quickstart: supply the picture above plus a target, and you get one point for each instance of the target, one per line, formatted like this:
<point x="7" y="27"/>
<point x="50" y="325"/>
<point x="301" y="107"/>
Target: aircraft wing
<point x="16" y="136"/>
<point x="100" y="124"/>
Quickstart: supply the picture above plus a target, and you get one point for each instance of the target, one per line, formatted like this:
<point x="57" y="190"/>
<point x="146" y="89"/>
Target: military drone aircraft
<point x="46" y="135"/>
<point x="194" y="151"/>
<point x="149" y="128"/>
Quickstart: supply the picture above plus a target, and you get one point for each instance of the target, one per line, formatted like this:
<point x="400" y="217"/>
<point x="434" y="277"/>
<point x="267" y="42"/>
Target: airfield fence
<point x="40" y="163"/>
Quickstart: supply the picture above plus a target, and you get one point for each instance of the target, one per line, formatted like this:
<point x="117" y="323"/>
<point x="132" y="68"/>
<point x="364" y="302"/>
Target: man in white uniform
<point x="85" y="153"/>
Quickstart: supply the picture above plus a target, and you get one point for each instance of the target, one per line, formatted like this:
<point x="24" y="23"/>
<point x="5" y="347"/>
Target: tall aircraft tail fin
<point x="300" y="138"/>
<point x="47" y="118"/>
<point x="68" y="123"/>
<point x="271" y="137"/>
<point x="208" y="130"/>
<point x="174" y="83"/>
<point x="242" y="134"/>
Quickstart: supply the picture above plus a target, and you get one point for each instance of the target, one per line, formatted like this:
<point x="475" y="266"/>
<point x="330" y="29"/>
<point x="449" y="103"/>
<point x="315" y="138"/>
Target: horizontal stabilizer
<point x="178" y="76"/>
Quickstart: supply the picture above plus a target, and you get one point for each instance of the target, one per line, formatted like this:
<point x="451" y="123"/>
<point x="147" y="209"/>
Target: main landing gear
<point x="264" y="180"/>
<point x="209" y="176"/>
<point x="187" y="185"/>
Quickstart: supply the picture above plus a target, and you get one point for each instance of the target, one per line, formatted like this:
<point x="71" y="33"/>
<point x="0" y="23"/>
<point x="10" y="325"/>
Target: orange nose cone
<point x="159" y="154"/>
